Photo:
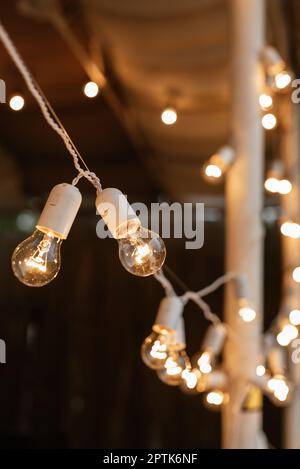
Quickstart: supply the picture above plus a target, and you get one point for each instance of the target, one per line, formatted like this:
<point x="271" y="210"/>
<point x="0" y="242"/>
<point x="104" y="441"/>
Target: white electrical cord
<point x="48" y="112"/>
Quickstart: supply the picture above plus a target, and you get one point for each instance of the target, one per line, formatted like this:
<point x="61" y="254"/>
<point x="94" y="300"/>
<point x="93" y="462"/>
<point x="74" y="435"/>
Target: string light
<point x="190" y="378"/>
<point x="36" y="261"/>
<point x="275" y="182"/>
<point x="169" y="116"/>
<point x="294" y="317"/>
<point x="260" y="370"/>
<point x="91" y="89"/>
<point x="214" y="399"/>
<point x="265" y="101"/>
<point x="141" y="251"/>
<point x="296" y="274"/>
<point x="278" y="386"/>
<point x="290" y="229"/>
<point x="269" y="121"/>
<point x="246" y="312"/>
<point x="211" y="347"/>
<point x="282" y="80"/>
<point x="16" y="102"/>
<point x="285" y="187"/>
<point x="218" y="164"/>
<point x="287" y="334"/>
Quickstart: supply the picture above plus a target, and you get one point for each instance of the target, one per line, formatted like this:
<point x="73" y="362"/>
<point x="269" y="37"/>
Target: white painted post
<point x="244" y="234"/>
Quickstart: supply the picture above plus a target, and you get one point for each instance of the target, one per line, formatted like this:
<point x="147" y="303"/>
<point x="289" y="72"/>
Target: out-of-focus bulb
<point x="265" y="101"/>
<point x="169" y="116"/>
<point x="174" y="366"/>
<point x="213" y="171"/>
<point x="154" y="349"/>
<point x="272" y="185"/>
<point x="16" y="102"/>
<point x="190" y="378"/>
<point x="287" y="334"/>
<point x="247" y="314"/>
<point x="294" y="317"/>
<point x="204" y="362"/>
<point x="214" y="399"/>
<point x="142" y="252"/>
<point x="285" y="187"/>
<point x="279" y="387"/>
<point x="296" y="274"/>
<point x="91" y="89"/>
<point x="260" y="370"/>
<point x="290" y="229"/>
<point x="282" y="80"/>
<point x="36" y="261"/>
<point x="269" y="121"/>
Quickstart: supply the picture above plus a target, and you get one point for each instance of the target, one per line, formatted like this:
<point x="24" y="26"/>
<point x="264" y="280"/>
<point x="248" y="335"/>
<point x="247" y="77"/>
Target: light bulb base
<point x="215" y="338"/>
<point x="60" y="210"/>
<point x="169" y="315"/>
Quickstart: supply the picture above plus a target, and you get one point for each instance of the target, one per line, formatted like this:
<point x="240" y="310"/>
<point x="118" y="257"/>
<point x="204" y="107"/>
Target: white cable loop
<point x="47" y="110"/>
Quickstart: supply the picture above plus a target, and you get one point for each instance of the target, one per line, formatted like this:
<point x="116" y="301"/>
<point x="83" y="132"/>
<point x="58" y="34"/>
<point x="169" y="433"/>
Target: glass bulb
<point x="215" y="398"/>
<point x="36" y="261"/>
<point x="190" y="378"/>
<point x="279" y="389"/>
<point x="174" y="365"/>
<point x="290" y="229"/>
<point x="204" y="362"/>
<point x="265" y="101"/>
<point x="169" y="116"/>
<point x="154" y="350"/>
<point x="287" y="334"/>
<point x="296" y="274"/>
<point x="247" y="314"/>
<point x="142" y="253"/>
<point x="282" y="80"/>
<point x="294" y="317"/>
<point x="260" y="370"/>
<point x="269" y="121"/>
<point x="272" y="185"/>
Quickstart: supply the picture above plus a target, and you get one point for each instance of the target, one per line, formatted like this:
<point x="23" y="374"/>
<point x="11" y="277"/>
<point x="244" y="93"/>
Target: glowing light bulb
<point x="16" y="102"/>
<point x="296" y="274"/>
<point x="142" y="252"/>
<point x="190" y="378"/>
<point x="285" y="187"/>
<point x="287" y="334"/>
<point x="214" y="399"/>
<point x="294" y="317"/>
<point x="169" y="116"/>
<point x="36" y="261"/>
<point x="272" y="185"/>
<point x="174" y="366"/>
<point x="247" y="314"/>
<point x="260" y="370"/>
<point x="282" y="80"/>
<point x="290" y="229"/>
<point x="280" y="388"/>
<point x="91" y="89"/>
<point x="269" y="121"/>
<point x="265" y="101"/>
<point x="212" y="171"/>
<point x="204" y="362"/>
<point x="154" y="350"/>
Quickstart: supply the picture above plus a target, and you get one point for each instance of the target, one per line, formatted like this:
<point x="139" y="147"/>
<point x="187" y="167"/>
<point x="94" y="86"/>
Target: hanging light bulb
<point x="169" y="116"/>
<point x="190" y="377"/>
<point x="296" y="274"/>
<point x="278" y="386"/>
<point x="269" y="121"/>
<point x="272" y="185"/>
<point x="285" y="187"/>
<point x="246" y="312"/>
<point x="272" y="61"/>
<point x="211" y="347"/>
<point x="16" y="102"/>
<point x="275" y="181"/>
<point x="36" y="261"/>
<point x="260" y="370"/>
<point x="265" y="100"/>
<point x="141" y="251"/>
<point x="217" y="165"/>
<point x="155" y="348"/>
<point x="290" y="229"/>
<point x="282" y="80"/>
<point x="294" y="317"/>
<point x="215" y="399"/>
<point x="91" y="89"/>
<point x="287" y="334"/>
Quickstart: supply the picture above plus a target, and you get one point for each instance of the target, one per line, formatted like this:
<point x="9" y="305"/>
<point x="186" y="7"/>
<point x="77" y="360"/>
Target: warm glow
<point x="296" y="274"/>
<point x="278" y="385"/>
<point x="290" y="229"/>
<point x="213" y="171"/>
<point x="215" y="398"/>
<point x="282" y="80"/>
<point x="159" y="350"/>
<point x="265" y="101"/>
<point x="285" y="187"/>
<point x="260" y="370"/>
<point x="269" y="121"/>
<point x="91" y="89"/>
<point x="190" y="378"/>
<point x="204" y="363"/>
<point x="16" y="103"/>
<point x="247" y="314"/>
<point x="272" y="185"/>
<point x="141" y="253"/>
<point x="169" y="116"/>
<point x="287" y="334"/>
<point x="172" y="367"/>
<point x="294" y="317"/>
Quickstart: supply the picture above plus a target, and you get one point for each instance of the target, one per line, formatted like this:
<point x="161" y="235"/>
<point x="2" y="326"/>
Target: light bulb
<point x="154" y="350"/>
<point x="265" y="101"/>
<point x="36" y="261"/>
<point x="287" y="334"/>
<point x="212" y="172"/>
<point x="247" y="314"/>
<point x="282" y="80"/>
<point x="16" y="103"/>
<point x="174" y="365"/>
<point x="204" y="362"/>
<point x="190" y="380"/>
<point x="285" y="187"/>
<point x="294" y="317"/>
<point x="91" y="89"/>
<point x="215" y="398"/>
<point x="142" y="252"/>
<point x="269" y="121"/>
<point x="260" y="370"/>
<point x="218" y="164"/>
<point x="290" y="229"/>
<point x="169" y="116"/>
<point x="272" y="185"/>
<point x="296" y="274"/>
<point x="279" y="388"/>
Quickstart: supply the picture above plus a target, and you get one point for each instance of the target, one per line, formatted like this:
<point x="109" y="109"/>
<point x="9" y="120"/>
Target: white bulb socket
<point x="117" y="213"/>
<point x="272" y="60"/>
<point x="180" y="334"/>
<point x="214" y="339"/>
<point x="60" y="210"/>
<point x="169" y="316"/>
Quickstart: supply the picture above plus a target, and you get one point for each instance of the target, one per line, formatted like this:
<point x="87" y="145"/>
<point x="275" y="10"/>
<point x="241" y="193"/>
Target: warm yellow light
<point x="260" y="370"/>
<point x="159" y="350"/>
<point x="278" y="385"/>
<point x="204" y="363"/>
<point x="285" y="187"/>
<point x="287" y="334"/>
<point x="247" y="314"/>
<point x="213" y="171"/>
<point x="294" y="317"/>
<point x="172" y="367"/>
<point x="190" y="378"/>
<point x="290" y="229"/>
<point x="16" y="103"/>
<point x="272" y="185"/>
<point x="282" y="80"/>
<point x="169" y="116"/>
<point x="265" y="101"/>
<point x="91" y="89"/>
<point x="269" y="121"/>
<point x="215" y="398"/>
<point x="296" y="274"/>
